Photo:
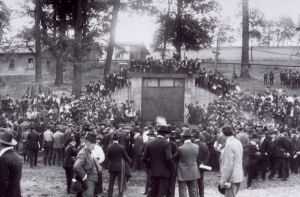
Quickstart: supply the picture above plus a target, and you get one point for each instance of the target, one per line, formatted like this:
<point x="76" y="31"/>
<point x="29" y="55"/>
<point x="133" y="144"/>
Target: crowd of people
<point x="267" y="148"/>
<point x="186" y="66"/>
<point x="214" y="81"/>
<point x="113" y="82"/>
<point x="93" y="133"/>
<point x="290" y="78"/>
<point x="269" y="78"/>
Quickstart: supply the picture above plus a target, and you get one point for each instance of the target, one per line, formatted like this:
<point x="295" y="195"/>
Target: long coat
<point x="158" y="158"/>
<point x="188" y="162"/>
<point x="232" y="161"/>
<point x="10" y="174"/>
<point x="33" y="141"/>
<point x="85" y="165"/>
<point x="115" y="154"/>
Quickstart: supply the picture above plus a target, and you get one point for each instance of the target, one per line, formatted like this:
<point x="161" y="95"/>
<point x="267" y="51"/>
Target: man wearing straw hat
<point x="10" y="166"/>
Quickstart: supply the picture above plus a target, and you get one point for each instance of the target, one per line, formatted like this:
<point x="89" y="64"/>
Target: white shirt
<point x="98" y="154"/>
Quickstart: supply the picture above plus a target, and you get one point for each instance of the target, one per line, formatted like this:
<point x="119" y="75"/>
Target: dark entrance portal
<point x="163" y="97"/>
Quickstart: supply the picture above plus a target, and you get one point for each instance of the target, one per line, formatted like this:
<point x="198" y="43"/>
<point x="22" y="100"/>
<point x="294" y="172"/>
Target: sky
<point x="140" y="29"/>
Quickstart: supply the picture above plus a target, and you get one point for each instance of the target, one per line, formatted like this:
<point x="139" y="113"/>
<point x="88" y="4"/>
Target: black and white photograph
<point x="149" y="98"/>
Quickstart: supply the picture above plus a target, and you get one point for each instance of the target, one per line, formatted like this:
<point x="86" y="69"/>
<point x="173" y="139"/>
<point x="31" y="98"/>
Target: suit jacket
<point x="58" y="140"/>
<point x="266" y="146"/>
<point x="70" y="155"/>
<point x="85" y="165"/>
<point x="188" y="162"/>
<point x="10" y="174"/>
<point x="33" y="141"/>
<point x="232" y="161"/>
<point x="253" y="152"/>
<point x="115" y="153"/>
<point x="203" y="153"/>
<point x="282" y="145"/>
<point x="158" y="158"/>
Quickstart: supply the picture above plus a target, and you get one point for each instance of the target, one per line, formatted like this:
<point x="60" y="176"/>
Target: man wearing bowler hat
<point x="10" y="166"/>
<point x="158" y="158"/>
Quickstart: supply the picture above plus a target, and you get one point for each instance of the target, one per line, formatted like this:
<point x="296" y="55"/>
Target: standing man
<point x="158" y="157"/>
<point x="58" y="147"/>
<point x="118" y="166"/>
<point x="48" y="146"/>
<point x="10" y="166"/>
<point x="188" y="167"/>
<point x="204" y="158"/>
<point x="33" y="144"/>
<point x="85" y="167"/>
<point x="231" y="164"/>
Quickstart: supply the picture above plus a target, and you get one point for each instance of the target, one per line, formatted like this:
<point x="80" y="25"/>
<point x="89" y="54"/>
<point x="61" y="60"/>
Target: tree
<point x="110" y="48"/>
<point x="4" y="18"/>
<point x="285" y="30"/>
<point x="38" y="47"/>
<point x="257" y="22"/>
<point x="245" y="41"/>
<point x="117" y="5"/>
<point x="190" y="25"/>
<point x="224" y="34"/>
<point x="268" y="33"/>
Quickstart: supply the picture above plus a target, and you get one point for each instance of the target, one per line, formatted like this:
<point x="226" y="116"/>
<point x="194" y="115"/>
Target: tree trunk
<point x="59" y="72"/>
<point x="38" y="48"/>
<point x="179" y="28"/>
<point x="111" y="44"/>
<point x="166" y="30"/>
<point x="245" y="45"/>
<point x="77" y="74"/>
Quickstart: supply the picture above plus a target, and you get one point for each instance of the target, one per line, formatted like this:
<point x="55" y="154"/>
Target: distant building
<point x="20" y="59"/>
<point x="127" y="51"/>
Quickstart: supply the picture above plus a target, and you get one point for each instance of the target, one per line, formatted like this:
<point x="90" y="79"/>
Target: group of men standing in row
<point x="167" y="162"/>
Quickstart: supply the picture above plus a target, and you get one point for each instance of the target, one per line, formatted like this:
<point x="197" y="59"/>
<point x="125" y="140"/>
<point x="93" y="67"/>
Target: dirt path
<point x="50" y="182"/>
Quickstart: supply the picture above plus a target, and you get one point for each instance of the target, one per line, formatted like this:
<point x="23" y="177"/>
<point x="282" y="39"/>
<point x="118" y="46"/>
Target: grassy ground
<point x="50" y="182"/>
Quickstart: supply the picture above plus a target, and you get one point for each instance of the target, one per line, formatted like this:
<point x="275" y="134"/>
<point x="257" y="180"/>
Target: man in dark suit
<point x="33" y="146"/>
<point x="10" y="166"/>
<point x="118" y="166"/>
<point x="254" y="156"/>
<point x="158" y="157"/>
<point x="188" y="166"/>
<point x="282" y="152"/>
<point x="203" y="159"/>
<point x="265" y="150"/>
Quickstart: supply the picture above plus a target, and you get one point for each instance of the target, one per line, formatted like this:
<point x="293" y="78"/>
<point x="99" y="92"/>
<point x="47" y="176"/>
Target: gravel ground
<point x="50" y="182"/>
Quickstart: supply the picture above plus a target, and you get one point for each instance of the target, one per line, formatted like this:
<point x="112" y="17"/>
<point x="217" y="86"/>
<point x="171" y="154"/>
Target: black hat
<point x="187" y="133"/>
<point x="227" y="130"/>
<point x="91" y="137"/>
<point x="115" y="137"/>
<point x="221" y="189"/>
<point x="151" y="133"/>
<point x="163" y="130"/>
<point x="6" y="137"/>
